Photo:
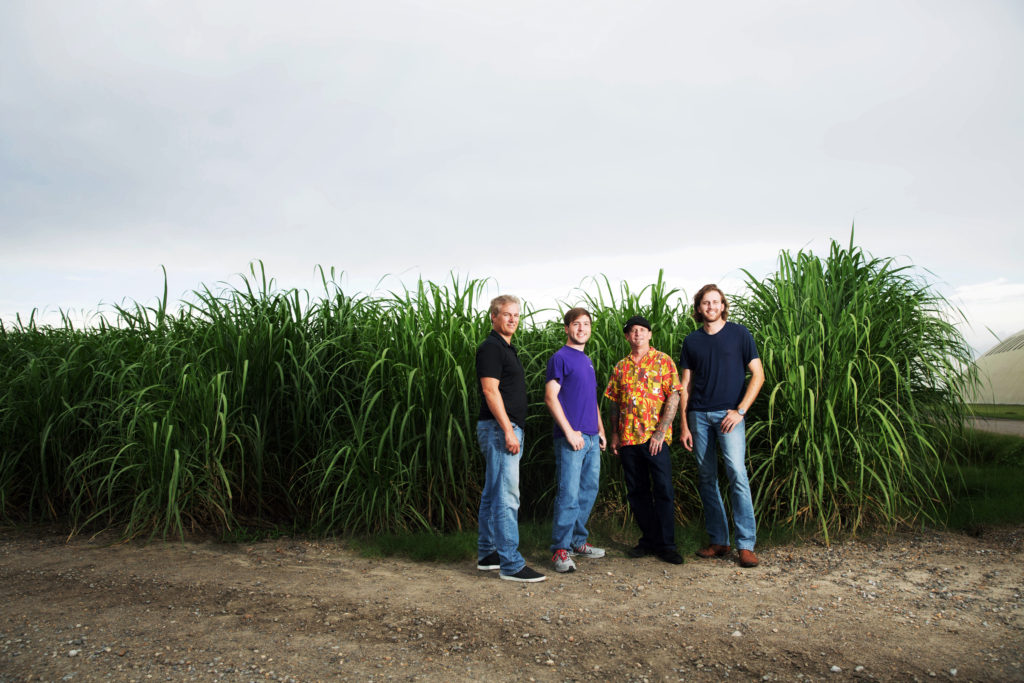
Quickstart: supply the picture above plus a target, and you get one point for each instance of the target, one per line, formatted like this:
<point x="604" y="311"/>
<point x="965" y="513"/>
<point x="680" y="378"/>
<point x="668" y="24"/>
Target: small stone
<point x="952" y="672"/>
<point x="858" y="668"/>
<point x="835" y="669"/>
<point x="550" y="662"/>
<point x="737" y="634"/>
<point x="73" y="653"/>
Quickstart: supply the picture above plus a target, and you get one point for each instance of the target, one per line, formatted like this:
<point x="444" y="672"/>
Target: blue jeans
<point x="578" y="474"/>
<point x="499" y="502"/>
<point x="706" y="429"/>
<point x="650" y="494"/>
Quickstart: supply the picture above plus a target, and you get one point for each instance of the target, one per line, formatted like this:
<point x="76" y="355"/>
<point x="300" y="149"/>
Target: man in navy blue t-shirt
<point x="714" y="361"/>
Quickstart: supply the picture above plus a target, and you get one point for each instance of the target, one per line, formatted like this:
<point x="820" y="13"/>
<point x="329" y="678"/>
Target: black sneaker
<point x="526" y="575"/>
<point x="492" y="561"/>
<point x="639" y="551"/>
<point x="670" y="556"/>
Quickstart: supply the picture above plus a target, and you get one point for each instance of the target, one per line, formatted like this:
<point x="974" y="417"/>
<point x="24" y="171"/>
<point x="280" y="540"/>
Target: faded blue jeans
<point x="706" y="428"/>
<point x="499" y="501"/>
<point x="578" y="474"/>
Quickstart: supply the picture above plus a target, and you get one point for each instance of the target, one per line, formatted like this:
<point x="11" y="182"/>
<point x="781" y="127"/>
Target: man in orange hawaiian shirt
<point x="644" y="391"/>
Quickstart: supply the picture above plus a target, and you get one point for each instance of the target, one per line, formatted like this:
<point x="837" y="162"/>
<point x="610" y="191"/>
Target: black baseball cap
<point x="635" y="320"/>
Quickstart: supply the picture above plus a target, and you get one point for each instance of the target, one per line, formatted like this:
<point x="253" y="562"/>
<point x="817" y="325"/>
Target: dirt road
<point x="999" y="426"/>
<point x="913" y="606"/>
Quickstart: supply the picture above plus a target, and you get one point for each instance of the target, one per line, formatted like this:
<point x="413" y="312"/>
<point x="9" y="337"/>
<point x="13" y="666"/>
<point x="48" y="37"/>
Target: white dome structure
<point x="1001" y="373"/>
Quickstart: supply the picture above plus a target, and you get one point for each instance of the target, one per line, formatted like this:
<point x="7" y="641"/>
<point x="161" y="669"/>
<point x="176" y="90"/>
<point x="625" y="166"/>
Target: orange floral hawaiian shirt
<point x="640" y="389"/>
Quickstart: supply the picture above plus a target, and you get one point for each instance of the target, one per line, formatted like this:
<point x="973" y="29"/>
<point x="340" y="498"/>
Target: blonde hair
<point x="499" y="301"/>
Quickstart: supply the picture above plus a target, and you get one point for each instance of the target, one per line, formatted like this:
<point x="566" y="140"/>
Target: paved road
<point x="1015" y="427"/>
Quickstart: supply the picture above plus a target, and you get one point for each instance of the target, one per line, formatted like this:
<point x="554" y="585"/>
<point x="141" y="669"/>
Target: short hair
<point x="697" y="315"/>
<point x="570" y="316"/>
<point x="499" y="301"/>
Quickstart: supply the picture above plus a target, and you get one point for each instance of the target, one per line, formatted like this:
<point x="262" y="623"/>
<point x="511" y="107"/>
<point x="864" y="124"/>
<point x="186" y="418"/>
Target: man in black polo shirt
<point x="500" y="433"/>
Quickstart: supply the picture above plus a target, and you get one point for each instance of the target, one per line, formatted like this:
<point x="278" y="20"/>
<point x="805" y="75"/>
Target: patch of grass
<point x="987" y="495"/>
<point x="254" y="533"/>
<point x="535" y="541"/>
<point x="987" y="448"/>
<point x="987" y="489"/>
<point x="1003" y="412"/>
<point x="420" y="546"/>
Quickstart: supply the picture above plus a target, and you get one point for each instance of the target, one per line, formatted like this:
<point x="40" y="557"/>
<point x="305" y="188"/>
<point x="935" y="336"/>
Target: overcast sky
<point x="538" y="143"/>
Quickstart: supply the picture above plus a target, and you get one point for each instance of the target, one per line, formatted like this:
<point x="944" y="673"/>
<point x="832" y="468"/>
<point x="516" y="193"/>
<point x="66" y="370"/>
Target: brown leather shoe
<point x="713" y="550"/>
<point x="748" y="559"/>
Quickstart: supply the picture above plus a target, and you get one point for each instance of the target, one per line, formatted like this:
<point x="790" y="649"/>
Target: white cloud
<point x="994" y="311"/>
<point x="534" y="142"/>
<point x="994" y="291"/>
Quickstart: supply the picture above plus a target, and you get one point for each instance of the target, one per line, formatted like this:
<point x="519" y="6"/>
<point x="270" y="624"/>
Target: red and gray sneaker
<point x="587" y="550"/>
<point x="563" y="563"/>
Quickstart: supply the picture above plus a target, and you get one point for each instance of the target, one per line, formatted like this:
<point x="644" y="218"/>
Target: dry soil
<point x="910" y="606"/>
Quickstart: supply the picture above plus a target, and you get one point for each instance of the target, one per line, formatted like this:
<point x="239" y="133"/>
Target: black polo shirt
<point x="498" y="359"/>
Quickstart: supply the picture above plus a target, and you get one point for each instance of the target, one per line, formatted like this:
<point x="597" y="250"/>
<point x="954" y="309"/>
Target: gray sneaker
<point x="563" y="563"/>
<point x="587" y="550"/>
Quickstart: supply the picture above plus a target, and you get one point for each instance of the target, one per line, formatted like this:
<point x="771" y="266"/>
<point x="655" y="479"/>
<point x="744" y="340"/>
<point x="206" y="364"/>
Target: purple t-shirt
<point x="573" y="370"/>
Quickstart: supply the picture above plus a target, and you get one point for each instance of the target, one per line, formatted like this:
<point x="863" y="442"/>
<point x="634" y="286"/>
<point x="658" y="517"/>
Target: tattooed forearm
<point x="668" y="412"/>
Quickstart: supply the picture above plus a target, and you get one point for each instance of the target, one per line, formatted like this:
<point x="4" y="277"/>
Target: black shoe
<point x="492" y="561"/>
<point x="670" y="556"/>
<point x="526" y="575"/>
<point x="639" y="551"/>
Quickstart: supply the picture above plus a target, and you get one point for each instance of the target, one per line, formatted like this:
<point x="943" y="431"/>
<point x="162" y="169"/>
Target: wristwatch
<point x="741" y="412"/>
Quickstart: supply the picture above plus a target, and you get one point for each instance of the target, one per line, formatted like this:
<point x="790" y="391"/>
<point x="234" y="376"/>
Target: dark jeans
<point x="651" y="496"/>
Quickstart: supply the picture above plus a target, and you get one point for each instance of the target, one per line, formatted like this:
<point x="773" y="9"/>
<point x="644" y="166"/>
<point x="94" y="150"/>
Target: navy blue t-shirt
<point x="718" y="366"/>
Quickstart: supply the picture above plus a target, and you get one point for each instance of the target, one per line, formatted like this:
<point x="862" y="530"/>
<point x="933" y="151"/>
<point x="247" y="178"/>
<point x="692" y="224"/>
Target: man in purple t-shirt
<point x="570" y="393"/>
